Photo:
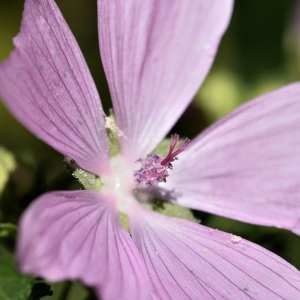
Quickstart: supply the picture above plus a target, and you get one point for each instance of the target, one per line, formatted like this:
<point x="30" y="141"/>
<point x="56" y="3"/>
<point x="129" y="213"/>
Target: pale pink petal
<point x="46" y="84"/>
<point x="155" y="55"/>
<point x="246" y="166"/>
<point x="190" y="261"/>
<point x="76" y="235"/>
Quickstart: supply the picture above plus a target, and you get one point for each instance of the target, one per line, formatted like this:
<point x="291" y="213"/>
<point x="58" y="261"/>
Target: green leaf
<point x="39" y="290"/>
<point x="13" y="285"/>
<point x="69" y="291"/>
<point x="221" y="93"/>
<point x="7" y="166"/>
<point x="7" y="230"/>
<point x="16" y="286"/>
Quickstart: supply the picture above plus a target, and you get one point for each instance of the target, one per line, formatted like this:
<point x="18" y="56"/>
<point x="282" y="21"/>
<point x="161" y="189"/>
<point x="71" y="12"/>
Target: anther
<point x="154" y="169"/>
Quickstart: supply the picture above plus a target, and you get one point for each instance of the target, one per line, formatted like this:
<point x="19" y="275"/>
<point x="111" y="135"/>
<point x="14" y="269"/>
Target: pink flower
<point x="155" y="54"/>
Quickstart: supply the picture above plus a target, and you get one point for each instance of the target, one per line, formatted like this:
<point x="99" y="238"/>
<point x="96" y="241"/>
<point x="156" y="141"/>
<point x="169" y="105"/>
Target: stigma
<point x="154" y="168"/>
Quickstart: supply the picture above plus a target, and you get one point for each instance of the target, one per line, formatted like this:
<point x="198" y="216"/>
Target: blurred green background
<point x="260" y="52"/>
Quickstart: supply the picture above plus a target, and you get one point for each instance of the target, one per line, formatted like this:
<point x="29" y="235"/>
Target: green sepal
<point x="162" y="148"/>
<point x="89" y="181"/>
<point x="173" y="210"/>
<point x="124" y="221"/>
<point x="113" y="133"/>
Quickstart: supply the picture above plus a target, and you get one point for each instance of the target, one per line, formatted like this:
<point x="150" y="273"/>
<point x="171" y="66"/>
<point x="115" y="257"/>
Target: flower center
<point x="120" y="177"/>
<point x="119" y="183"/>
<point x="127" y="184"/>
<point x="154" y="168"/>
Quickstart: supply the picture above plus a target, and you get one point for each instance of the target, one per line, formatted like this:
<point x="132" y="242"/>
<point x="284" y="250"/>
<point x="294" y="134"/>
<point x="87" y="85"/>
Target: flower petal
<point x="76" y="235"/>
<point x="246" y="166"/>
<point x="47" y="86"/>
<point x="156" y="54"/>
<point x="190" y="261"/>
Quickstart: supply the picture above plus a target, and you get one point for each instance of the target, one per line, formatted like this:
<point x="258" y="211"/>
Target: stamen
<point x="154" y="169"/>
<point x="173" y="150"/>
